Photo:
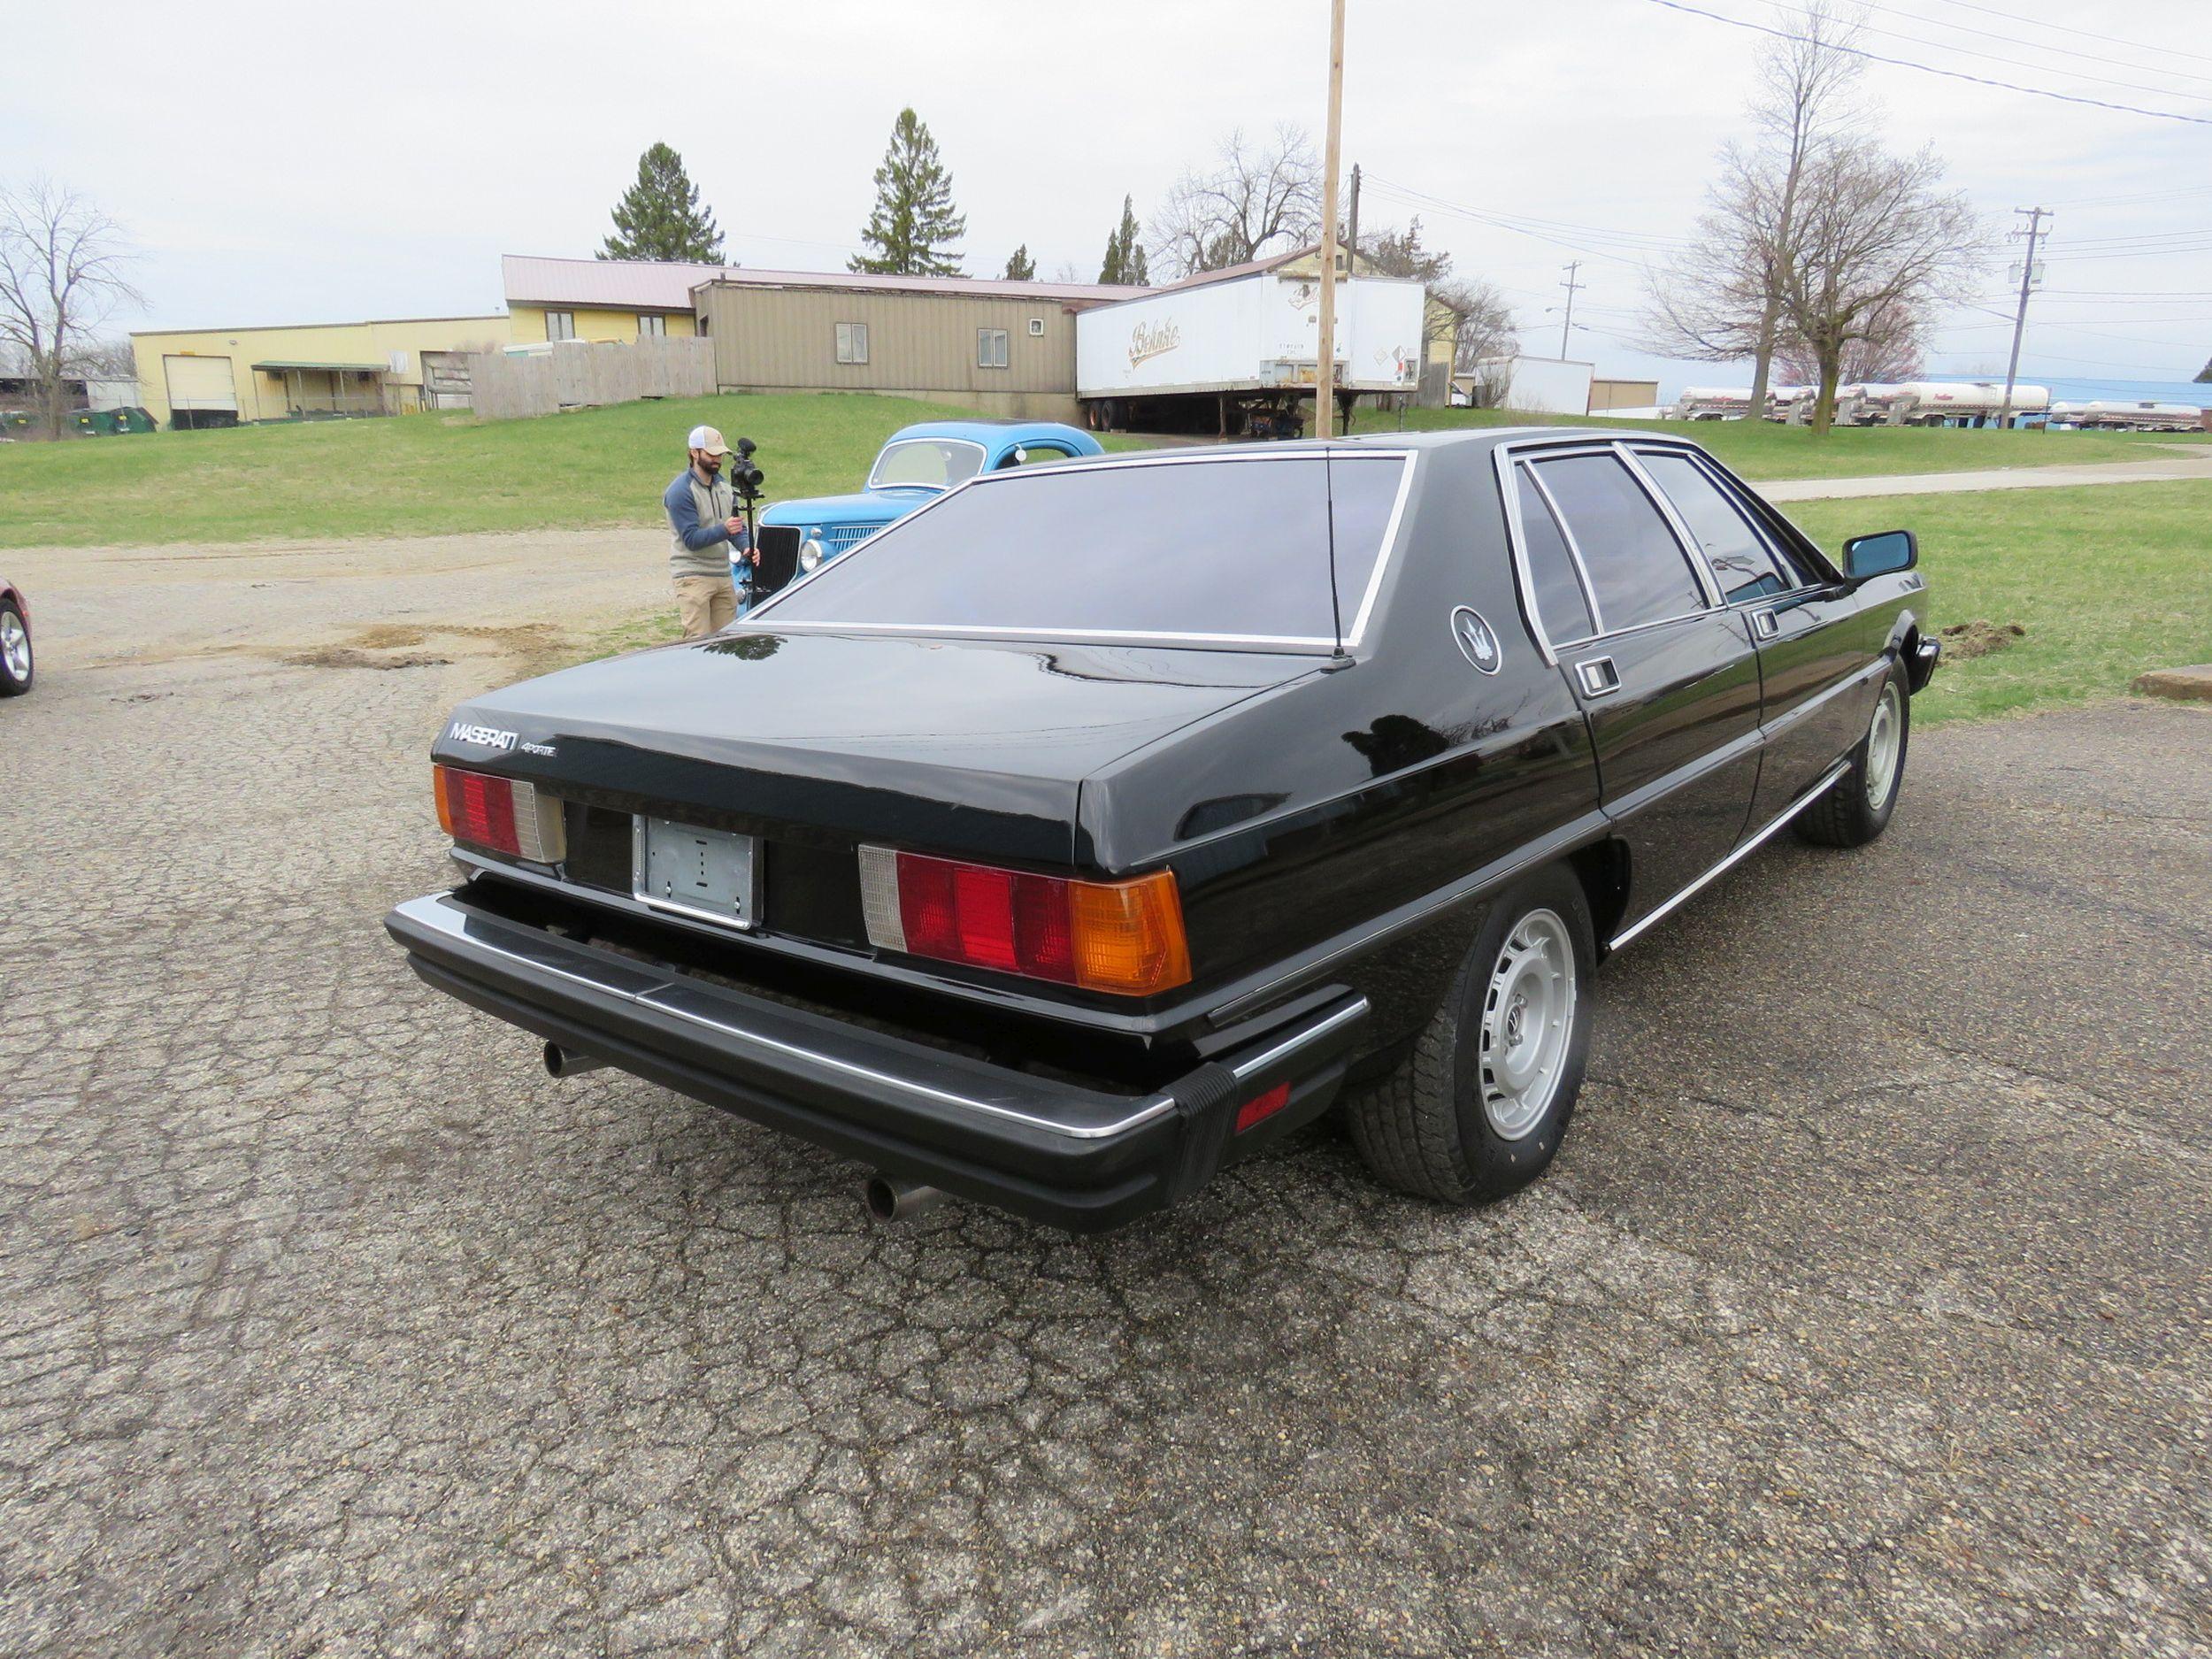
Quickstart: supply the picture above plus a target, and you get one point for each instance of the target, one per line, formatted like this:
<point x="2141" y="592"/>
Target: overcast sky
<point x="293" y="163"/>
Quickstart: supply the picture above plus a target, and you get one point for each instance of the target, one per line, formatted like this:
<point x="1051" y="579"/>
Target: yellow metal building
<point x="219" y="376"/>
<point x="600" y="299"/>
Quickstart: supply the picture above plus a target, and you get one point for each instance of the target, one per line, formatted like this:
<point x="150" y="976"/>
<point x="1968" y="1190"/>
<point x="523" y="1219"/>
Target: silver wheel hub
<point x="1885" y="743"/>
<point x="15" y="645"/>
<point x="1528" y="1018"/>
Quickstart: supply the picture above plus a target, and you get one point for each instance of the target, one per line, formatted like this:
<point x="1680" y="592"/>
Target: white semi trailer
<point x="1961" y="403"/>
<point x="1241" y="354"/>
<point x="2117" y="415"/>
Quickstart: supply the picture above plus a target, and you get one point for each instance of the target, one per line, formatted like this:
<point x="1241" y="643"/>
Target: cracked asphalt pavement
<point x="1865" y="1312"/>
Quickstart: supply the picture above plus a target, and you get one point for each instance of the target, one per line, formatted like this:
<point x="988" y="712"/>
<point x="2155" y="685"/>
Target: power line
<point x="2036" y="46"/>
<point x="1948" y="74"/>
<point x="2088" y="35"/>
<point x="2020" y="62"/>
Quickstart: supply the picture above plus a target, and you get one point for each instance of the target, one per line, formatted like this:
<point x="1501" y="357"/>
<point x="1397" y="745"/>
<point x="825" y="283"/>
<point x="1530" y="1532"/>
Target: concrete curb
<point x="2184" y="684"/>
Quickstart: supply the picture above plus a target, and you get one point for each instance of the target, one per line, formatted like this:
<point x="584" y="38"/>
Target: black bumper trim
<point x="1077" y="1157"/>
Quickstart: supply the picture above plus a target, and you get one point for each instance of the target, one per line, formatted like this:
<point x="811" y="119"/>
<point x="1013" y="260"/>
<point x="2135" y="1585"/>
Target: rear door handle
<point x="1765" y="625"/>
<point x="1599" y="677"/>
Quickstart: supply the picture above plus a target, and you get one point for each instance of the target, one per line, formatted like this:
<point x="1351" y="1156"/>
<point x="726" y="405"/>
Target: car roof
<point x="987" y="432"/>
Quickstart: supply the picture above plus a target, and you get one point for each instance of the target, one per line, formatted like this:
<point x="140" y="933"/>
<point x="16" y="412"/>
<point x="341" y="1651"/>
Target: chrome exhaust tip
<point x="561" y="1062"/>
<point x="891" y="1200"/>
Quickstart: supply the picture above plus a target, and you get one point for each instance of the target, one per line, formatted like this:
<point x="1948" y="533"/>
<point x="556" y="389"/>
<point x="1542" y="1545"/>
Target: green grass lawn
<point x="426" y="474"/>
<point x="1764" y="448"/>
<point x="2108" y="580"/>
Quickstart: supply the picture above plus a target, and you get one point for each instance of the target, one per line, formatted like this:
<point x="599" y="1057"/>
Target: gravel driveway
<point x="1866" y="1311"/>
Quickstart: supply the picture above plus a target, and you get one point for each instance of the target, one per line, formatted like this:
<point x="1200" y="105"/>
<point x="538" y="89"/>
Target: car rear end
<point x="836" y="875"/>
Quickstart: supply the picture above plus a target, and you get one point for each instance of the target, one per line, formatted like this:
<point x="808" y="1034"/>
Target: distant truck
<point x="2121" y="415"/>
<point x="1239" y="355"/>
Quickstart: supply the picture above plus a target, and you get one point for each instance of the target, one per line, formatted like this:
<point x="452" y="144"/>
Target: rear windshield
<point x="1236" y="549"/>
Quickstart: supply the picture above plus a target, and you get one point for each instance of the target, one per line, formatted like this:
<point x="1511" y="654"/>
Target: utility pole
<point x="1324" y="374"/>
<point x="2036" y="216"/>
<point x="1567" y="325"/>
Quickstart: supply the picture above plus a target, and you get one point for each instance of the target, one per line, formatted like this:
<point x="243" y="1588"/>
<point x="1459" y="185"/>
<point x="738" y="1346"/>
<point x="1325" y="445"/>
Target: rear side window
<point x="1218" y="548"/>
<point x="1739" y="557"/>
<point x="1639" y="572"/>
<point x="1561" y="603"/>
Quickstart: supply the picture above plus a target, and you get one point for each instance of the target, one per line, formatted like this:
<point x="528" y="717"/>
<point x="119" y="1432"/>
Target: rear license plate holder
<point x="712" y="875"/>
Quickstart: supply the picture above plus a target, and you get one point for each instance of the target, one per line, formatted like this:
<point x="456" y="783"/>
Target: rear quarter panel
<point x="1308" y="812"/>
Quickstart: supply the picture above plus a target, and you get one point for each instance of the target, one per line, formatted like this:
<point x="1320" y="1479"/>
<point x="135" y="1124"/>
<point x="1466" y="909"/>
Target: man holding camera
<point x="703" y="512"/>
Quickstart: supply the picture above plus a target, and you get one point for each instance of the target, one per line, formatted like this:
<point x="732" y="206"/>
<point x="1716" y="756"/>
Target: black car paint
<point x="1333" y="822"/>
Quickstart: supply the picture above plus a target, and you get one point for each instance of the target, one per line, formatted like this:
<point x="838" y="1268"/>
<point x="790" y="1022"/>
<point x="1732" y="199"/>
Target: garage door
<point x="200" y="383"/>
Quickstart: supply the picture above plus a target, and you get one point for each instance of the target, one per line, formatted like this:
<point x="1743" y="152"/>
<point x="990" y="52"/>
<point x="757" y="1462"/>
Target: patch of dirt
<point x="1964" y="641"/>
<point x="388" y="636"/>
<point x="345" y="657"/>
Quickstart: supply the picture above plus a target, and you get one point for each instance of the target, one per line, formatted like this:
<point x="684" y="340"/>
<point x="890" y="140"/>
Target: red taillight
<point x="1120" y="936"/>
<point x="499" y="815"/>
<point x="1260" y="1107"/>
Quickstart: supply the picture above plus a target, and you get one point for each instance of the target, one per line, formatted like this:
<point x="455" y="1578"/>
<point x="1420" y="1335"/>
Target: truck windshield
<point x="1227" y="549"/>
<point x="928" y="462"/>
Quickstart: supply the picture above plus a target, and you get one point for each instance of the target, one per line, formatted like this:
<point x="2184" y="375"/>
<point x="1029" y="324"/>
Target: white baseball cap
<point x="710" y="439"/>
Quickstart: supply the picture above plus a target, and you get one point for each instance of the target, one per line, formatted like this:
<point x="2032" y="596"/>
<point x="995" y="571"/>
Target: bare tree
<point x="1894" y="349"/>
<point x="1721" y="300"/>
<point x="1254" y="198"/>
<point x="111" y="358"/>
<point x="62" y="274"/>
<point x="1877" y="245"/>
<point x="1486" y="327"/>
<point x="1807" y="96"/>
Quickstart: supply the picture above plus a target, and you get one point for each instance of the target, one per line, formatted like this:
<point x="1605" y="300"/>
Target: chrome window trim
<point x="1505" y="456"/>
<point x="1705" y="467"/>
<point x="982" y="455"/>
<point x="1685" y="538"/>
<point x="1385" y="553"/>
<point x="1517" y="548"/>
<point x="1574" y="550"/>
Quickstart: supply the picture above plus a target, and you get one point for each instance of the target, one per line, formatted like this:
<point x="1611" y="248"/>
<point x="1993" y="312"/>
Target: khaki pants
<point x="707" y="605"/>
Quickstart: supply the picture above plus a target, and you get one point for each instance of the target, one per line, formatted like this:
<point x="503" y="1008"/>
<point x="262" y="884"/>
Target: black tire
<point x="1425" y="1128"/>
<point x="12" y="685"/>
<point x="1845" y="814"/>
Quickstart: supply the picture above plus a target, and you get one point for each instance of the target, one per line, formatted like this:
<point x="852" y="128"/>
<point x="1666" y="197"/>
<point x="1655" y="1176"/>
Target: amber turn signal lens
<point x="1128" y="935"/>
<point x="445" y="807"/>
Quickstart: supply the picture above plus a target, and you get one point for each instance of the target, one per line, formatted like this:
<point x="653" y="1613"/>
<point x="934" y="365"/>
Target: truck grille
<point x="838" y="537"/>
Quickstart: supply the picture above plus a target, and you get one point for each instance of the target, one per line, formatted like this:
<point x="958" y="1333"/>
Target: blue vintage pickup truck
<point x="916" y="465"/>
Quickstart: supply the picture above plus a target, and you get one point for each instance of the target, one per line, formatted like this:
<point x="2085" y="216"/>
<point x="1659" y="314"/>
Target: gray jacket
<point x="698" y="514"/>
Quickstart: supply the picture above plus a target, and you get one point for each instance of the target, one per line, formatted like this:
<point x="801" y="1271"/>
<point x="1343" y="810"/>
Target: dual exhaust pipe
<point x="888" y="1199"/>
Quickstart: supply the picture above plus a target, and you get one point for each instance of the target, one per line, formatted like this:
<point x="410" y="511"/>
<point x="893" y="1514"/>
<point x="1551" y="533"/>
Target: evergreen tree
<point x="1125" y="261"/>
<point x="659" y="217"/>
<point x="1020" y="267"/>
<point x="913" y="226"/>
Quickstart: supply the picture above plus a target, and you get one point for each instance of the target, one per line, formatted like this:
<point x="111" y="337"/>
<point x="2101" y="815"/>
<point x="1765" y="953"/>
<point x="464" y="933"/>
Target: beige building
<point x="1002" y="348"/>
<point x="225" y="376"/>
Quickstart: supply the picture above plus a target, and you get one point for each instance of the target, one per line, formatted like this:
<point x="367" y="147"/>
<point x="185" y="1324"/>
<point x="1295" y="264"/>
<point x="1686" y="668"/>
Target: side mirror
<point x="1881" y="554"/>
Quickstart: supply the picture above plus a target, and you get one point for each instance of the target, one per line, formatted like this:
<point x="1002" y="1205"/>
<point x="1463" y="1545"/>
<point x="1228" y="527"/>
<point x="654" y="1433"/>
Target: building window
<point x="560" y="325"/>
<point x="651" y="327"/>
<point x="852" y="342"/>
<point x="990" y="348"/>
<point x="1036" y="328"/>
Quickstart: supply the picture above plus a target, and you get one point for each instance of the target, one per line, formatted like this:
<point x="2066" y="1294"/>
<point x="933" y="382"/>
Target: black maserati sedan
<point x="1095" y="827"/>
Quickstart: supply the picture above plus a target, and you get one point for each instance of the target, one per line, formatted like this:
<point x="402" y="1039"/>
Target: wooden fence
<point x="576" y="374"/>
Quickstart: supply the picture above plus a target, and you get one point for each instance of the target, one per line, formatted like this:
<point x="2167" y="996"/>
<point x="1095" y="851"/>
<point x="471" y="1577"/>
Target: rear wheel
<point x="1856" y="807"/>
<point x="1477" y="1111"/>
<point x="16" y="667"/>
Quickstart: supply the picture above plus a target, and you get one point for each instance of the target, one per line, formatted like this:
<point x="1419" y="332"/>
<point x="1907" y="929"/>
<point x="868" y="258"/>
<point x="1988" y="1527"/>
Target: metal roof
<point x="646" y="285"/>
<point x="350" y="368"/>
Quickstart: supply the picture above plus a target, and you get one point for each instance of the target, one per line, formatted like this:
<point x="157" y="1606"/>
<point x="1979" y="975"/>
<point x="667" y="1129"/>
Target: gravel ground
<point x="1866" y="1311"/>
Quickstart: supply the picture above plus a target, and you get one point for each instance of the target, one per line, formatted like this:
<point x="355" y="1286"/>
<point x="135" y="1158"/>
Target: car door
<point x="1667" y="678"/>
<point x="1812" y="645"/>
